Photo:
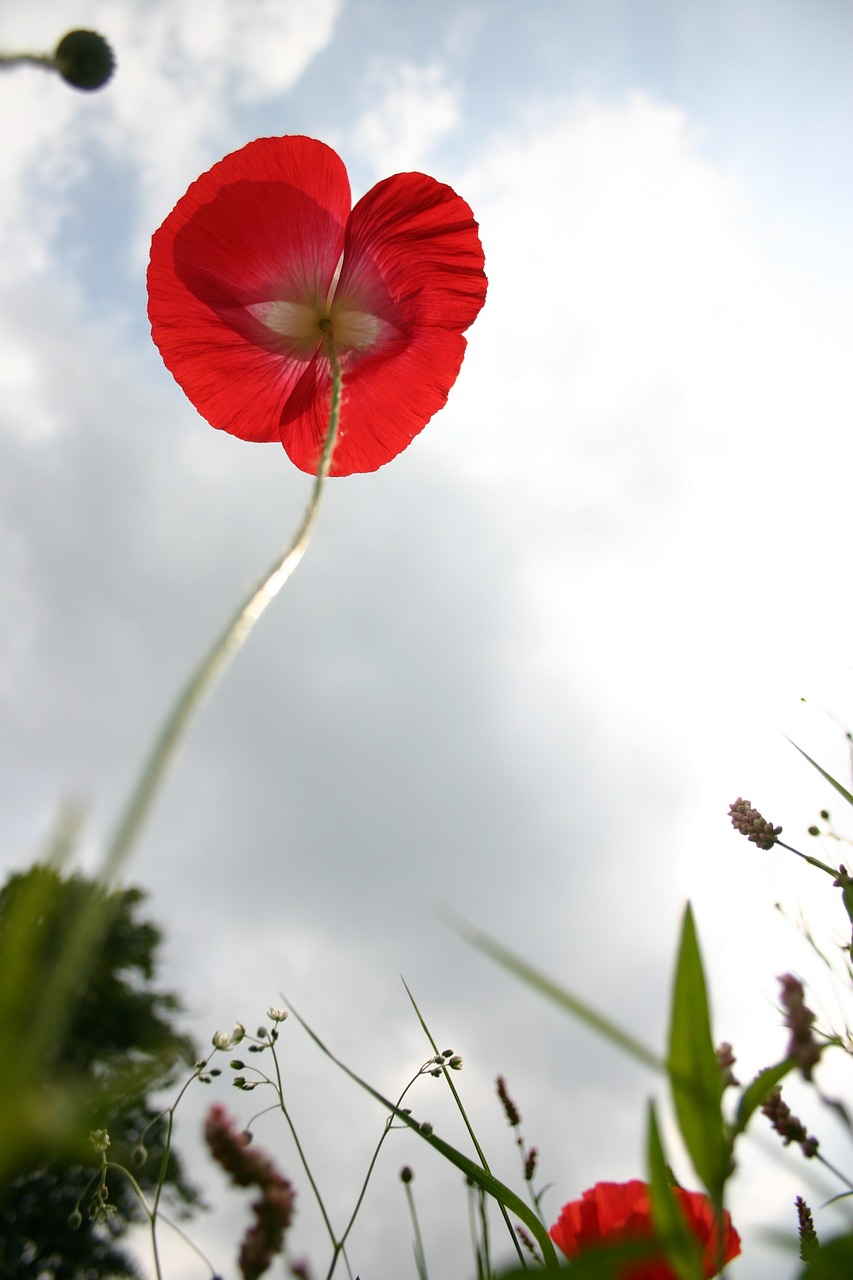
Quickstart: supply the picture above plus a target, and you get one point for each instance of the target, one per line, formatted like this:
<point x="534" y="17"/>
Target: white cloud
<point x="416" y="107"/>
<point x="184" y="73"/>
<point x="640" y="385"/>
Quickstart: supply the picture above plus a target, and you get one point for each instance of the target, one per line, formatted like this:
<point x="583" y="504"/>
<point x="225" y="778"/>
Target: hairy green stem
<point x="226" y="646"/>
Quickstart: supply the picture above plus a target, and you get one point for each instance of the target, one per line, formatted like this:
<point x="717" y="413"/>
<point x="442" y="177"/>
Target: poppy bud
<point x="84" y="60"/>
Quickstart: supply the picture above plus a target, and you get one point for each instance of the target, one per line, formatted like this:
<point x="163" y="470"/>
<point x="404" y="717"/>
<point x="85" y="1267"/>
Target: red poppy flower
<point x="263" y="248"/>
<point x="618" y="1212"/>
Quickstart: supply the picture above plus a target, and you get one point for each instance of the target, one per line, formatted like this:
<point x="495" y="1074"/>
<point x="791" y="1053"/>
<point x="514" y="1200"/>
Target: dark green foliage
<point x="118" y="1045"/>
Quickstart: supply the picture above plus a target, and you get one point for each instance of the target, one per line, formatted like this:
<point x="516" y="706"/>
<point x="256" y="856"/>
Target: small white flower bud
<point x="227" y="1040"/>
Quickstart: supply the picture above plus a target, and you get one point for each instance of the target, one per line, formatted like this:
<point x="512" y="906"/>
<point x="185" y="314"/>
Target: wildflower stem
<point x="151" y="1216"/>
<point x="226" y="646"/>
<point x="278" y="1085"/>
<point x="806" y="857"/>
<point x="340" y="1246"/>
<point x="461" y="1108"/>
<point x="420" y="1256"/>
<point x="832" y="1169"/>
<point x="26" y="59"/>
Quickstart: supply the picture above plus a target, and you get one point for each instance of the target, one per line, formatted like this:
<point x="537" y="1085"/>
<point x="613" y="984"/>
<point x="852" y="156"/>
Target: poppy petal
<point x="413" y="259"/>
<point x="420" y="238"/>
<point x="386" y="403"/>
<point x="265" y="224"/>
<point x="613" y="1212"/>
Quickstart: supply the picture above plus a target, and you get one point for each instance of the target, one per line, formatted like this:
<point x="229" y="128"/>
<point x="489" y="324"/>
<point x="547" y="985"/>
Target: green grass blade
<point x="833" y="782"/>
<point x="551" y="990"/>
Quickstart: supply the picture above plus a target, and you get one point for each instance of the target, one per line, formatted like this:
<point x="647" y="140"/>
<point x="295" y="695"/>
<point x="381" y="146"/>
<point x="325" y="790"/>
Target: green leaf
<point x="676" y="1239"/>
<point x="694" y="1071"/>
<point x="758" y="1091"/>
<point x="598" y="1262"/>
<point x="832" y="1261"/>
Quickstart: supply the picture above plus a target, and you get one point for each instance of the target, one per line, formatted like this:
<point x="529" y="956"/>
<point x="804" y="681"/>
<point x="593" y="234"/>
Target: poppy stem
<point x="229" y="642"/>
<point x="26" y="59"/>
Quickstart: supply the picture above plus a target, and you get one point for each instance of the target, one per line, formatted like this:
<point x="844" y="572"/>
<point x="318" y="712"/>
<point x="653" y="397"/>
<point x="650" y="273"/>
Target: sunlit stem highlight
<point x="229" y="642"/>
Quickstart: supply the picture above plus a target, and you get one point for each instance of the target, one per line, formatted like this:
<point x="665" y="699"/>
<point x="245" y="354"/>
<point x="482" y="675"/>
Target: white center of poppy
<point x="356" y="329"/>
<point x="300" y="325"/>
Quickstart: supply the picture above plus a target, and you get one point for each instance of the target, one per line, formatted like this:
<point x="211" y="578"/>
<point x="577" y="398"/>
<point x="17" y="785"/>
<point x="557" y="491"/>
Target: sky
<point x="525" y="668"/>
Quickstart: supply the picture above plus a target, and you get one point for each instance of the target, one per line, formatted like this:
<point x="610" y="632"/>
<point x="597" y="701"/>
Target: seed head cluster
<point x="511" y="1111"/>
<point x="787" y="1125"/>
<point x="749" y="822"/>
<point x="726" y="1059"/>
<point x="808" y="1236"/>
<point x="799" y="1019"/>
<point x="274" y="1207"/>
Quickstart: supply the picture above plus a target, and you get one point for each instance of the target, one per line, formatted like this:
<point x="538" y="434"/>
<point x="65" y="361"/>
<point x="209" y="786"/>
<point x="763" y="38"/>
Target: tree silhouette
<point x="119" y="1044"/>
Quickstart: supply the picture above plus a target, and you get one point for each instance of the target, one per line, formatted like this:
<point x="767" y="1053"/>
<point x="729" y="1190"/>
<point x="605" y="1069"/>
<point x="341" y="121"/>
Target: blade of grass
<point x="833" y="782"/>
<point x="552" y="990"/>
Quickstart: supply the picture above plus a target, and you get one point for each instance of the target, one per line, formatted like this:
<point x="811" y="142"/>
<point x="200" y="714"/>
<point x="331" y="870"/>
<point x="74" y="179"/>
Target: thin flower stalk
<point x="226" y="646"/>
<point x="464" y="1114"/>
